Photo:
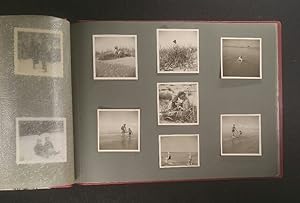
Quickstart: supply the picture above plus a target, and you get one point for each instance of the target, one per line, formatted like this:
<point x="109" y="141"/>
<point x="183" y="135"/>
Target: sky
<point x="241" y="42"/>
<point x="183" y="38"/>
<point x="108" y="43"/>
<point x="179" y="144"/>
<point x="111" y="121"/>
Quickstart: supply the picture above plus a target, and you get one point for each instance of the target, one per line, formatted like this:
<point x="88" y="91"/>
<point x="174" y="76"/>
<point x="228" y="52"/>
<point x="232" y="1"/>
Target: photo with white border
<point x="177" y="50"/>
<point x="38" y="52"/>
<point x="241" y="58"/>
<point x="240" y="134"/>
<point x="115" y="57"/>
<point x="178" y="103"/>
<point x="179" y="150"/>
<point x="41" y="140"/>
<point x="118" y="130"/>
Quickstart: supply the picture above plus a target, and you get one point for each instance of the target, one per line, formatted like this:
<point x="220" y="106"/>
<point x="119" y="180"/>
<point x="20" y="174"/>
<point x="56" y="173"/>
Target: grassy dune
<point x="178" y="58"/>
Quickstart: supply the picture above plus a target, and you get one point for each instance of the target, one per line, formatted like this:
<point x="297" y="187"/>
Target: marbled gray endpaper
<point x="33" y="96"/>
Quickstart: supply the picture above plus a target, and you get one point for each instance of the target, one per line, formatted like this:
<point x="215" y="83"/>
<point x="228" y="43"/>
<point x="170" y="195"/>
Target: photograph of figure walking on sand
<point x="240" y="134"/>
<point x="241" y="58"/>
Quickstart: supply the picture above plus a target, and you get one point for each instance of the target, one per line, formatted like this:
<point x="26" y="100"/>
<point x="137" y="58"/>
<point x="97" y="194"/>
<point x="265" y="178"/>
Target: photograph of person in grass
<point x="177" y="51"/>
<point x="178" y="103"/>
<point x="115" y="57"/>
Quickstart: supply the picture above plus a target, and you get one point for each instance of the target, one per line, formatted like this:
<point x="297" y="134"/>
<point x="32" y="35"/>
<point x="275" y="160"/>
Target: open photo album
<point x="110" y="102"/>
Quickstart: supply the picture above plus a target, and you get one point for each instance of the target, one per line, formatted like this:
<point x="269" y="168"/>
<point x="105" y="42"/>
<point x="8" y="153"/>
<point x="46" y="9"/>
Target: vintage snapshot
<point x="241" y="58"/>
<point x="241" y="134"/>
<point x="38" y="52"/>
<point x="177" y="50"/>
<point x="118" y="130"/>
<point x="40" y="140"/>
<point x="179" y="150"/>
<point x="178" y="103"/>
<point x="115" y="57"/>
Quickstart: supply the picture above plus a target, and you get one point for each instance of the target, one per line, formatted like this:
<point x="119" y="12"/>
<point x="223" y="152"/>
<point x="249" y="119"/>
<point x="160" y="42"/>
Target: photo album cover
<point x="110" y="102"/>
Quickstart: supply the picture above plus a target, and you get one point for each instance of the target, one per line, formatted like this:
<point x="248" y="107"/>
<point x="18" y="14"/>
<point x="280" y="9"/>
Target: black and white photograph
<point x="115" y="57"/>
<point x="179" y="150"/>
<point x="118" y="130"/>
<point x="40" y="140"/>
<point x="177" y="50"/>
<point x="240" y="134"/>
<point x="38" y="52"/>
<point x="178" y="103"/>
<point x="241" y="58"/>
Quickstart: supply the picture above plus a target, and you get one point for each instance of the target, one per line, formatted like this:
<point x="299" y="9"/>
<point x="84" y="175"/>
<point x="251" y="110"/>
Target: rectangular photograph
<point x="241" y="58"/>
<point x="177" y="50"/>
<point x="38" y="52"/>
<point x="118" y="130"/>
<point x="240" y="134"/>
<point x="40" y="140"/>
<point x="179" y="150"/>
<point x="115" y="57"/>
<point x="178" y="103"/>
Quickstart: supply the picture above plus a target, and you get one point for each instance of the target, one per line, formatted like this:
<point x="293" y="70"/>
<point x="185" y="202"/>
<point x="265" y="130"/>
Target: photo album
<point x="117" y="102"/>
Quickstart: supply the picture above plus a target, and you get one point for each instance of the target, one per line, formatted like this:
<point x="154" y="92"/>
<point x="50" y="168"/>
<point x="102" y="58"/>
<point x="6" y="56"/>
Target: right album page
<point x="176" y="100"/>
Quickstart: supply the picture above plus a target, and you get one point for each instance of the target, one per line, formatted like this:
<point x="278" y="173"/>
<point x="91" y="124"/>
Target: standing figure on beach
<point x="233" y="130"/>
<point x="190" y="160"/>
<point x="168" y="157"/>
<point x="123" y="129"/>
<point x="129" y="132"/>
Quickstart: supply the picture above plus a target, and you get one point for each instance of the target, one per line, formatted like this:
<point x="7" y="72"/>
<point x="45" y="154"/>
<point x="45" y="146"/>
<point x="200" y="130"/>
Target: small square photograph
<point x="241" y="58"/>
<point x="241" y="135"/>
<point x="115" y="57"/>
<point x="179" y="150"/>
<point x="178" y="103"/>
<point x="38" y="52"/>
<point x="177" y="50"/>
<point x="118" y="130"/>
<point x="40" y="140"/>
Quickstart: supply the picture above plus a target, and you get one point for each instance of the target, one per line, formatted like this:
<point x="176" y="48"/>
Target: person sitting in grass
<point x="179" y="108"/>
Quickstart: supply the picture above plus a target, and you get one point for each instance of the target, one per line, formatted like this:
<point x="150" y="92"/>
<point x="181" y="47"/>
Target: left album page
<point x="36" y="136"/>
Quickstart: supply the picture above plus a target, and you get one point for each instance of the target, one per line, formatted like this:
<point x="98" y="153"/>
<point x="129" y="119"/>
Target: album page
<point x="171" y="101"/>
<point x="36" y="145"/>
